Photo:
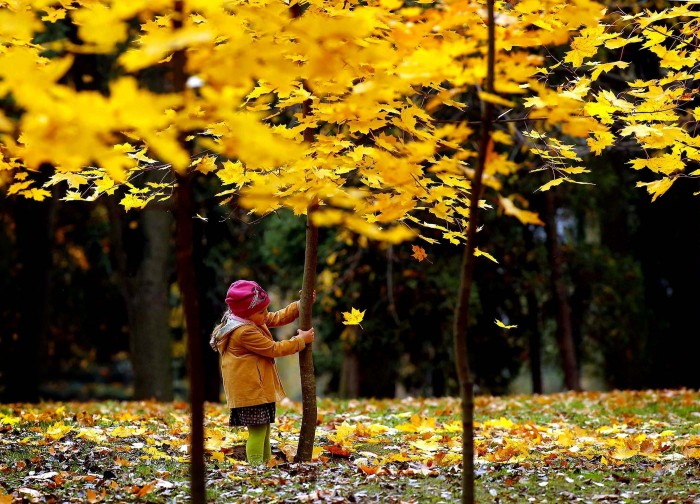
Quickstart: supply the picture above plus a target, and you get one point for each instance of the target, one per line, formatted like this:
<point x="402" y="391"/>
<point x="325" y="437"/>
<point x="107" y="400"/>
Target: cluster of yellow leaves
<point x="367" y="82"/>
<point x="659" y="115"/>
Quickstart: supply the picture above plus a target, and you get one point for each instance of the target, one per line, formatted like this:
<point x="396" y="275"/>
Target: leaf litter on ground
<point x="619" y="446"/>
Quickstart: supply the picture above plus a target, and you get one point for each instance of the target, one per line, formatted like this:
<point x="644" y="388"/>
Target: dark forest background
<point x="94" y="290"/>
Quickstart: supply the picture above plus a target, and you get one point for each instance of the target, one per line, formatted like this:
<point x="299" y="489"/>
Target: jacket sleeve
<point x="284" y="316"/>
<point x="255" y="341"/>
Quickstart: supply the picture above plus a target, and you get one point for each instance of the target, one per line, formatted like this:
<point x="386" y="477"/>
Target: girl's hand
<point x="307" y="336"/>
<point x="313" y="296"/>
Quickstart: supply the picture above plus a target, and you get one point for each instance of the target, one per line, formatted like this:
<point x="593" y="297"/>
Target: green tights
<point x="257" y="449"/>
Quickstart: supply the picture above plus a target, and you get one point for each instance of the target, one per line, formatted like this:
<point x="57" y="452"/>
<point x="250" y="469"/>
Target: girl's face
<point x="259" y="317"/>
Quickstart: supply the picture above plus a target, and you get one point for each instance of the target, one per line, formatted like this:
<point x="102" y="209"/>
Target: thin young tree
<point x="461" y="319"/>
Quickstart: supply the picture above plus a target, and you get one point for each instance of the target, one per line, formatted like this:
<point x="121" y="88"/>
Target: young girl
<point x="248" y="368"/>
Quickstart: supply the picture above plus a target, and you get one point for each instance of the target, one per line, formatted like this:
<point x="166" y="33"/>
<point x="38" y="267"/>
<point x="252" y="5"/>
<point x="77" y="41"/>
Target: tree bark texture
<point x="306" y="360"/>
<point x="143" y="262"/>
<point x="565" y="338"/>
<point x="461" y="323"/>
<point x="149" y="311"/>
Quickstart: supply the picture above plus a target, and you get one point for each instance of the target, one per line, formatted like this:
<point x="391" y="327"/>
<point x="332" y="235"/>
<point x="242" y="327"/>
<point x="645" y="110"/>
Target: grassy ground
<point x="636" y="447"/>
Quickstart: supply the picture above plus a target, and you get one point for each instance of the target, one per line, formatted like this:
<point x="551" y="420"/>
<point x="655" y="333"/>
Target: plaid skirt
<point x="252" y="415"/>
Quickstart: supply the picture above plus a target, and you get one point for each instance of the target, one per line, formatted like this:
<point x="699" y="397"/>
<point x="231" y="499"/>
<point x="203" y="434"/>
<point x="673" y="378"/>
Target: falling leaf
<point x="504" y="326"/>
<point x="419" y="253"/>
<point x="354" y="317"/>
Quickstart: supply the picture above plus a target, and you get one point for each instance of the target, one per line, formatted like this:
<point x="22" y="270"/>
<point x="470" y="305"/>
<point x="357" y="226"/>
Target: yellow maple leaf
<point x="53" y="14"/>
<point x="488" y="256"/>
<point x="58" y="430"/>
<point x="504" y="326"/>
<point x="418" y="253"/>
<point x="36" y="194"/>
<point x="524" y="216"/>
<point x="206" y="164"/>
<point x="600" y="140"/>
<point x="599" y="68"/>
<point x="552" y="183"/>
<point x="586" y="44"/>
<point x="657" y="187"/>
<point x="425" y="446"/>
<point x="130" y="201"/>
<point x="354" y="317"/>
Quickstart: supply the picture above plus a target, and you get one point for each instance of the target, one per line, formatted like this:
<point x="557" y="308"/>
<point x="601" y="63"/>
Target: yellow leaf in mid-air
<point x="418" y="253"/>
<point x="504" y="326"/>
<point x="354" y="317"/>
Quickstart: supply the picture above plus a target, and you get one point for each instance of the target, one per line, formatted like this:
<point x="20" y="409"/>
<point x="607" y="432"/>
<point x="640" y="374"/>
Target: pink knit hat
<point x="244" y="298"/>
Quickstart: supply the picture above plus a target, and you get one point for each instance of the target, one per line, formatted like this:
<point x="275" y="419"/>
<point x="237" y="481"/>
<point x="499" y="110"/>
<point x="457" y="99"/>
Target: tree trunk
<point x="145" y="290"/>
<point x="466" y="384"/>
<point x="349" y="386"/>
<point x="306" y="359"/>
<point x="535" y="342"/>
<point x="184" y="238"/>
<point x="188" y="289"/>
<point x="22" y="345"/>
<point x="565" y="338"/>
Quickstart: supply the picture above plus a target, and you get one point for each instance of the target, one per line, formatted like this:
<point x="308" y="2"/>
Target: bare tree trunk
<point x="188" y="289"/>
<point x="149" y="312"/>
<point x="565" y="338"/>
<point x="535" y="342"/>
<point x="306" y="358"/>
<point x="349" y="386"/>
<point x="184" y="237"/>
<point x="144" y="287"/>
<point x="309" y="412"/>
<point x="466" y="384"/>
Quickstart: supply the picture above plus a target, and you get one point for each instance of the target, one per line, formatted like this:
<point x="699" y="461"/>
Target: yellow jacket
<point x="247" y="358"/>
